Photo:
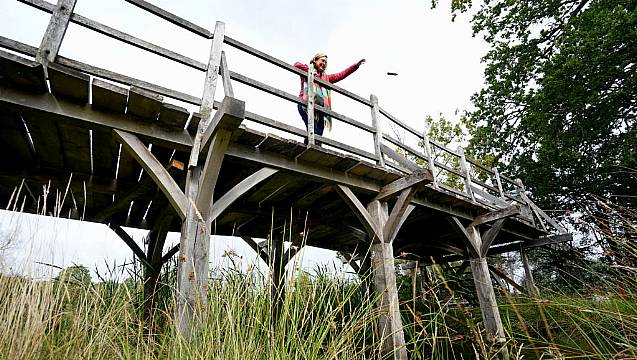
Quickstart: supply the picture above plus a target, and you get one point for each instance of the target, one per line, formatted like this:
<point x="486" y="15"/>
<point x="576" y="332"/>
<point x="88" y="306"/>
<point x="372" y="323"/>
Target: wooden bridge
<point x="89" y="143"/>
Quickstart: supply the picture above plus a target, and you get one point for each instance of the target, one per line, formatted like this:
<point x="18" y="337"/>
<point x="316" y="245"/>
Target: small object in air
<point x="392" y="73"/>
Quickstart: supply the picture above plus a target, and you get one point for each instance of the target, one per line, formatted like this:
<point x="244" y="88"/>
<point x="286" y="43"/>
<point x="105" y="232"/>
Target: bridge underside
<point x="47" y="136"/>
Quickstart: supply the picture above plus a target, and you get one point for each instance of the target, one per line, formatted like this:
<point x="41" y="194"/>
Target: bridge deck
<point x="47" y="136"/>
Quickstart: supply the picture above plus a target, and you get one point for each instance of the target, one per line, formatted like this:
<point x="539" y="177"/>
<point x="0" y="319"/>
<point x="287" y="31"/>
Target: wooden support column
<point x="528" y="275"/>
<point x="477" y="246"/>
<point x="152" y="271"/>
<point x="52" y="39"/>
<point x="390" y="329"/>
<point x="277" y="277"/>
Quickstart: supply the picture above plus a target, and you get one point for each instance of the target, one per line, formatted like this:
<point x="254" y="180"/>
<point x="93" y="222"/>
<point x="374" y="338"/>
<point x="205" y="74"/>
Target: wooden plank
<point x="173" y="116"/>
<point x="193" y="123"/>
<point x="360" y="212"/>
<point x="490" y="198"/>
<point x="68" y="83"/>
<point x="492" y="216"/>
<point x="52" y="39"/>
<point x="143" y="104"/>
<point x="465" y="173"/>
<point x="378" y="131"/>
<point x="75" y="143"/>
<point x="106" y="96"/>
<point x="21" y="73"/>
<point x="238" y="190"/>
<point x="415" y="179"/>
<point x="181" y="22"/>
<point x="46" y="106"/>
<point x="159" y="174"/>
<point x="123" y="79"/>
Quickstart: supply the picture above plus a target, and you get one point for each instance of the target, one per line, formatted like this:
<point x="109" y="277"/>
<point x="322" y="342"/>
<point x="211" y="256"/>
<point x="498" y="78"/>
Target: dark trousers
<point x="319" y="121"/>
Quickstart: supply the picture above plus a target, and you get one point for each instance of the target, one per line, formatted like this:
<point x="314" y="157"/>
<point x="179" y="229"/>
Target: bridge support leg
<point x="390" y="328"/>
<point x="152" y="269"/>
<point x="277" y="276"/>
<point x="528" y="276"/>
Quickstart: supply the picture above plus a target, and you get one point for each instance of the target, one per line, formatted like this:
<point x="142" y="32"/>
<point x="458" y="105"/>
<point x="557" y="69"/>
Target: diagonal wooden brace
<point x="156" y="171"/>
<point x="238" y="190"/>
<point x="496" y="215"/>
<point x="414" y="180"/>
<point x="361" y="212"/>
<point x="399" y="214"/>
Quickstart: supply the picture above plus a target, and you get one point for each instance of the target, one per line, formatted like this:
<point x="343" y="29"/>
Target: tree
<point x="560" y="101"/>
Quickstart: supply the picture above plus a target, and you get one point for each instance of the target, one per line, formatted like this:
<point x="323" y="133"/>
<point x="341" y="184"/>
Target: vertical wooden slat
<point x="378" y="133"/>
<point x="210" y="86"/>
<point x="465" y="171"/>
<point x="52" y="39"/>
<point x="528" y="275"/>
<point x="225" y="75"/>
<point x="498" y="182"/>
<point x="430" y="156"/>
<point x="310" y="105"/>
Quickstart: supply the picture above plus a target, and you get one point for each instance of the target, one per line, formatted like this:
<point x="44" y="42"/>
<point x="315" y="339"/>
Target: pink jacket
<point x="333" y="78"/>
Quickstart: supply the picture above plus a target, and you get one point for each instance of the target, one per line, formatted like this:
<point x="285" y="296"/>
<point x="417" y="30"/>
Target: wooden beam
<point x="67" y="112"/>
<point x="55" y="31"/>
<point x="416" y="179"/>
<point x="225" y="76"/>
<point x="412" y="166"/>
<point x="122" y="201"/>
<point x="378" y="132"/>
<point x="390" y="330"/>
<point x="128" y="240"/>
<point x="170" y="253"/>
<point x="238" y="190"/>
<point x="474" y="249"/>
<point x="548" y="240"/>
<point x="494" y="271"/>
<point x="228" y="117"/>
<point x="496" y="215"/>
<point x="490" y="235"/>
<point x="156" y="171"/>
<point x="361" y="213"/>
<point x="399" y="214"/>
<point x="210" y="86"/>
<point x="528" y="275"/>
<point x="257" y="249"/>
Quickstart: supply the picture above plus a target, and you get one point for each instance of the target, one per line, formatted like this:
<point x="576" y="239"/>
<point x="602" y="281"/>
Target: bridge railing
<point x="453" y="171"/>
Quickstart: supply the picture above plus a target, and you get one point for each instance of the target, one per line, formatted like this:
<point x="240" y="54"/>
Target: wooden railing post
<point x="430" y="155"/>
<point x="52" y="39"/>
<point x="498" y="182"/>
<point x="310" y="105"/>
<point x="378" y="133"/>
<point x="465" y="171"/>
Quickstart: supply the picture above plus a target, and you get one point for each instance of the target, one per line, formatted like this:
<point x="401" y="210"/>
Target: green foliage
<point x="559" y="102"/>
<point x="77" y="275"/>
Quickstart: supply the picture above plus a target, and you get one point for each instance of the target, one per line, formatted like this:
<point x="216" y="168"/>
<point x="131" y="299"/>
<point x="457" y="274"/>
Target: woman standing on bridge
<point x="322" y="96"/>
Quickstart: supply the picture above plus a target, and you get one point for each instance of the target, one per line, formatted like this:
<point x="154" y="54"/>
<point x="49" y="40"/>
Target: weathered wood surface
<point x="68" y="83"/>
<point x="52" y="39"/>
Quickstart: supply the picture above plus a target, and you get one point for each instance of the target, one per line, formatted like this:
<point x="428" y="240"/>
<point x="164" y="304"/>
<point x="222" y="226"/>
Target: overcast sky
<point x="437" y="61"/>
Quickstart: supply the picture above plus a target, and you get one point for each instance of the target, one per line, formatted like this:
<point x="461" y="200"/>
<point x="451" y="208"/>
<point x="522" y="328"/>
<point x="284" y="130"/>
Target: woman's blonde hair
<point x="318" y="56"/>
